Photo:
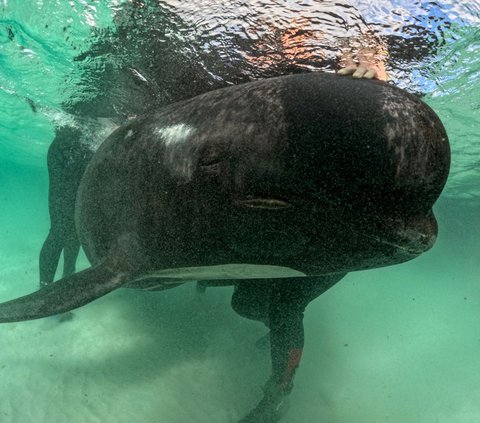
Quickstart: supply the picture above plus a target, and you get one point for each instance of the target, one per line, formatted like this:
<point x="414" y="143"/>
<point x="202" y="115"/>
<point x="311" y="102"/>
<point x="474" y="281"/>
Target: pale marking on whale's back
<point x="175" y="133"/>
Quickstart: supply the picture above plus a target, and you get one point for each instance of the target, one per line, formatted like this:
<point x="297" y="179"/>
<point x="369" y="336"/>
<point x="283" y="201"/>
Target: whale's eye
<point x="209" y="162"/>
<point x="263" y="203"/>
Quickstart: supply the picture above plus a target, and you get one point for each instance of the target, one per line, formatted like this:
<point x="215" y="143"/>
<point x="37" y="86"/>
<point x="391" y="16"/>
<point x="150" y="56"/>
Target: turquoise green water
<point x="399" y="344"/>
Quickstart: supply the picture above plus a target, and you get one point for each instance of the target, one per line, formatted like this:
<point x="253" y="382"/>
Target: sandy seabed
<point x="397" y="345"/>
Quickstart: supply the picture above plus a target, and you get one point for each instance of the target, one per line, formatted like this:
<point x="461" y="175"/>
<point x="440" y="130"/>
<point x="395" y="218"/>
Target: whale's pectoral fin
<point x="67" y="294"/>
<point x="75" y="290"/>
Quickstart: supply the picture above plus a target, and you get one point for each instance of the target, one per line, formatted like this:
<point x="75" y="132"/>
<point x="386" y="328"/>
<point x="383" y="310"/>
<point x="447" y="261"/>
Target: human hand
<point x="367" y="66"/>
<point x="359" y="71"/>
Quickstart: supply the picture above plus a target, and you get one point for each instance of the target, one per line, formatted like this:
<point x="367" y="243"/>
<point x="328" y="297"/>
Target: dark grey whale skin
<point x="314" y="172"/>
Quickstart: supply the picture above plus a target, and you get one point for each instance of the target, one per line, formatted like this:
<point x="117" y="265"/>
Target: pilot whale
<point x="295" y="176"/>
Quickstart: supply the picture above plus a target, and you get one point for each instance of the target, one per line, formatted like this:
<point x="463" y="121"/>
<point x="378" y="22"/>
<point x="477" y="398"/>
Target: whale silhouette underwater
<point x="292" y="177"/>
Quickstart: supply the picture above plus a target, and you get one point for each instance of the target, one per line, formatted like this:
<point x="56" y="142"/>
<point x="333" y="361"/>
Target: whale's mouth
<point x="263" y="203"/>
<point x="413" y="236"/>
<point x="410" y="242"/>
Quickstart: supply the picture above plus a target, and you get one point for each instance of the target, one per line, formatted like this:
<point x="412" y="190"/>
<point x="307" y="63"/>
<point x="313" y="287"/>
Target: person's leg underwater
<point x="67" y="160"/>
<point x="280" y="304"/>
